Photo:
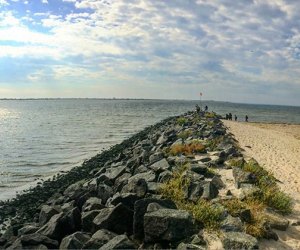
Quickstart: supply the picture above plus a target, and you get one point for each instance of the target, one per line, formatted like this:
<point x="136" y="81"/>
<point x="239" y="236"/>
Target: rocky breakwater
<point x="173" y="185"/>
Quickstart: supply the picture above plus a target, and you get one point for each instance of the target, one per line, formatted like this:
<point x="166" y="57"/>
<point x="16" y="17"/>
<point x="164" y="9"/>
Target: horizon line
<point x="124" y="98"/>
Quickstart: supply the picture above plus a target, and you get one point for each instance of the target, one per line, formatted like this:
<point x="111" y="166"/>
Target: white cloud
<point x="177" y="42"/>
<point x="3" y="3"/>
<point x="45" y="1"/>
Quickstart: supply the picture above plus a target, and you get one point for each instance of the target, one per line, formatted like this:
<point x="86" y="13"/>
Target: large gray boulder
<point x="241" y="177"/>
<point x="201" y="189"/>
<point x="75" y="190"/>
<point x="118" y="219"/>
<point x="87" y="220"/>
<point x="46" y="213"/>
<point x="127" y="199"/>
<point x="114" y="172"/>
<point x="31" y="241"/>
<point x="74" y="241"/>
<point x="232" y="224"/>
<point x="160" y="166"/>
<point x="98" y="239"/>
<point x="192" y="176"/>
<point x="62" y="224"/>
<point x="237" y="240"/>
<point x="154" y="187"/>
<point x="190" y="246"/>
<point x="157" y="156"/>
<point x="210" y="191"/>
<point x="136" y="186"/>
<point x="28" y="229"/>
<point x="119" y="242"/>
<point x="147" y="176"/>
<point x="168" y="225"/>
<point x="104" y="192"/>
<point x="199" y="168"/>
<point x="140" y="208"/>
<point x="121" y="181"/>
<point x="165" y="176"/>
<point x="162" y="139"/>
<point x="92" y="203"/>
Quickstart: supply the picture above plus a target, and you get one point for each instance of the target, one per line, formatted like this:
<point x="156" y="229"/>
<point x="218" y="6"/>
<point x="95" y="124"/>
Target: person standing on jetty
<point x="246" y="118"/>
<point x="206" y="108"/>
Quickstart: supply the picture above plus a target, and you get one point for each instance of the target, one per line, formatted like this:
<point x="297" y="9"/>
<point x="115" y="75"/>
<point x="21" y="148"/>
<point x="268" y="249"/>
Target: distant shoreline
<point x="144" y="99"/>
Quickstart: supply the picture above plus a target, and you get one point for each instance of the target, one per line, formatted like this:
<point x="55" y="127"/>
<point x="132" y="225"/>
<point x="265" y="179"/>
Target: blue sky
<point x="240" y="51"/>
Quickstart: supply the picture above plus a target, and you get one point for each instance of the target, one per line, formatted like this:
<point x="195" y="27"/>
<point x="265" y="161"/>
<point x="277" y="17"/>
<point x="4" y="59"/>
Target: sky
<point x="238" y="51"/>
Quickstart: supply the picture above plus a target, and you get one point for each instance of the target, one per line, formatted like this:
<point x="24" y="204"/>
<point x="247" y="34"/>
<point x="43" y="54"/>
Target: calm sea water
<point x="38" y="138"/>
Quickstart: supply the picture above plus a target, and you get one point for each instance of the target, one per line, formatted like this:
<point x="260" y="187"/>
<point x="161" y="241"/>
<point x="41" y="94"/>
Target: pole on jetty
<point x="200" y="101"/>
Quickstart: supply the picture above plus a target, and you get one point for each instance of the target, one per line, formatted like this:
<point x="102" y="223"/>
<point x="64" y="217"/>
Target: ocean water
<point x="39" y="138"/>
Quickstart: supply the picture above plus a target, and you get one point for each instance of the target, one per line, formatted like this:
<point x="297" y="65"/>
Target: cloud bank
<point x="242" y="51"/>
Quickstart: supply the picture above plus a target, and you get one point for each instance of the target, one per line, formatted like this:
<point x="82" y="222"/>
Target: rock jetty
<point x="174" y="185"/>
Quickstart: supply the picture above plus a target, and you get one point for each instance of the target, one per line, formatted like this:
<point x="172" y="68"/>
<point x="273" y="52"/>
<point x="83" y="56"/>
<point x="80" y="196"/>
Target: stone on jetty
<point x="119" y="242"/>
<point x="87" y="220"/>
<point x="62" y="224"/>
<point x="241" y="177"/>
<point x="74" y="241"/>
<point x="92" y="203"/>
<point x="46" y="213"/>
<point x="140" y="208"/>
<point x="118" y="219"/>
<point x="237" y="240"/>
<point x="167" y="225"/>
<point x="98" y="239"/>
<point x="34" y="241"/>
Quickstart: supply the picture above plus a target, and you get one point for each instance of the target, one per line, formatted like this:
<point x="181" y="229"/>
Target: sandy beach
<point x="277" y="148"/>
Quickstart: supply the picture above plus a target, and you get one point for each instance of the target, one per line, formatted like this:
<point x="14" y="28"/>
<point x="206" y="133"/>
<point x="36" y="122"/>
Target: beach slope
<point x="277" y="148"/>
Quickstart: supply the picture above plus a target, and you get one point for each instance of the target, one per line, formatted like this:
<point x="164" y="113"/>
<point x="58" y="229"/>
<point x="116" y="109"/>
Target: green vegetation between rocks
<point x="203" y="211"/>
<point x="214" y="143"/>
<point x="210" y="115"/>
<point x="256" y="225"/>
<point x="270" y="194"/>
<point x="181" y="121"/>
<point x="185" y="134"/>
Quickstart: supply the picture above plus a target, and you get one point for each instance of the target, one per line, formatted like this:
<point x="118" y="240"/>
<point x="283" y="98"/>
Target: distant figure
<point x="206" y="108"/>
<point x="246" y="118"/>
<point x="197" y="108"/>
<point x="235" y="117"/>
<point x="226" y="117"/>
<point x="230" y="116"/>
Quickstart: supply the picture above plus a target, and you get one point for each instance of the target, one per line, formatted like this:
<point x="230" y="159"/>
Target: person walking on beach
<point x="246" y="118"/>
<point x="235" y="117"/>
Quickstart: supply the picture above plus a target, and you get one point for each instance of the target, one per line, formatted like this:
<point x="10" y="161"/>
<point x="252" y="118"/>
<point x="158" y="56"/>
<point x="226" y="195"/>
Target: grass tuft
<point x="187" y="149"/>
<point x="181" y="121"/>
<point x="210" y="115"/>
<point x="256" y="227"/>
<point x="185" y="134"/>
<point x="203" y="211"/>
<point x="270" y="194"/>
<point x="214" y="143"/>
